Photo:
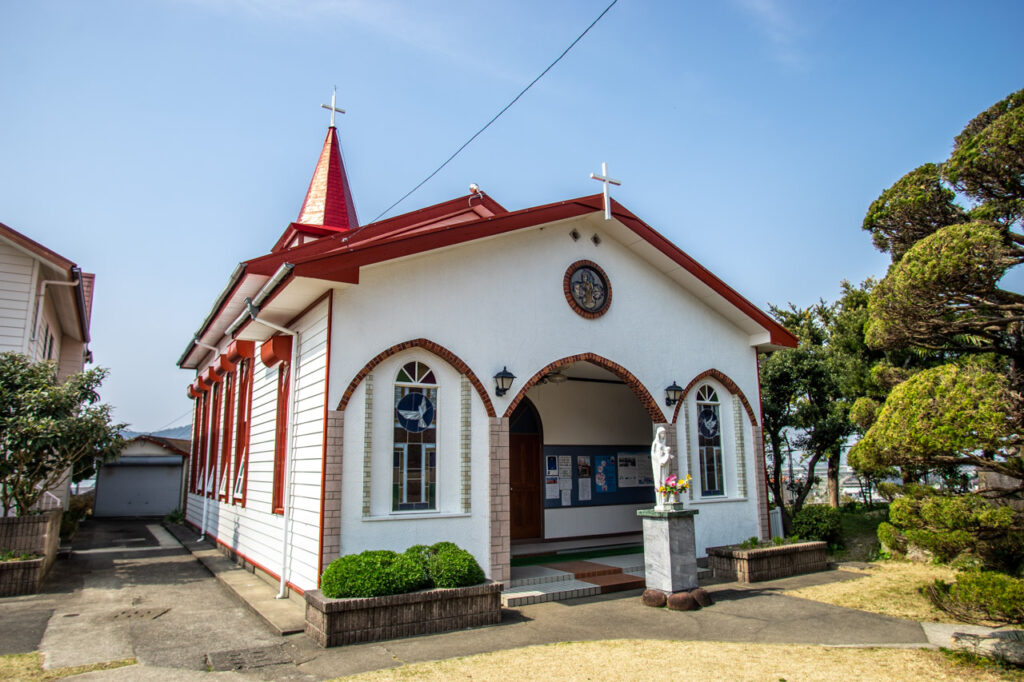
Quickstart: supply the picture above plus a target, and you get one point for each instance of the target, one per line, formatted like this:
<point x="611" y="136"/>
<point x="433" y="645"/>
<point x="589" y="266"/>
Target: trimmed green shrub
<point x="443" y="547"/>
<point x="955" y="526"/>
<point x="376" y="573"/>
<point x="454" y="567"/>
<point x="372" y="573"/>
<point x="981" y="595"/>
<point x="420" y="553"/>
<point x="889" y="491"/>
<point x="819" y="522"/>
<point x="891" y="538"/>
<point x="944" y="545"/>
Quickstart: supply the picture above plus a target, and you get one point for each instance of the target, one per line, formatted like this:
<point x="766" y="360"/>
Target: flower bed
<point x="767" y="563"/>
<point x="335" y="622"/>
<point x="39" y="535"/>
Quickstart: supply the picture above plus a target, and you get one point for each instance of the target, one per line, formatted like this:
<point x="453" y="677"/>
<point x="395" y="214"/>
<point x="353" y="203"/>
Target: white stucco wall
<point x="500" y="302"/>
<point x="385" y="529"/>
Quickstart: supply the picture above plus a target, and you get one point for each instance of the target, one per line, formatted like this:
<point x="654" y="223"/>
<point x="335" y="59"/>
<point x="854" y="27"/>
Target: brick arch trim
<point x="634" y="384"/>
<point x="730" y="386"/>
<point x="431" y="347"/>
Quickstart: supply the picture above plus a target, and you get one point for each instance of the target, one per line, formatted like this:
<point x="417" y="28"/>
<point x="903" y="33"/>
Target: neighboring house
<point x="147" y="479"/>
<point x="45" y="309"/>
<point x="349" y="389"/>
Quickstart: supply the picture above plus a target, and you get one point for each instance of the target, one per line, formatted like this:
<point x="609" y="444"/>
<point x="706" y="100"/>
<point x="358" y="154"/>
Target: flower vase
<point x="669" y="501"/>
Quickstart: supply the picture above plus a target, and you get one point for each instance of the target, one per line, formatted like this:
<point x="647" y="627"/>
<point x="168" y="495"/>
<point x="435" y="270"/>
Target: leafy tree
<point x="944" y="417"/>
<point x="953" y="231"/>
<point x="802" y="408"/>
<point x="48" y="427"/>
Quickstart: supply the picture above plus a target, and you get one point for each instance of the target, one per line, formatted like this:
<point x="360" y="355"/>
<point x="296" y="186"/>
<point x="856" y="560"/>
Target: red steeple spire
<point x="329" y="199"/>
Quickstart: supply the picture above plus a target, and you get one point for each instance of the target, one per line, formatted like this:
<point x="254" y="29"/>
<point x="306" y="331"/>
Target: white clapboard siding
<point x="15" y="297"/>
<point x="254" y="531"/>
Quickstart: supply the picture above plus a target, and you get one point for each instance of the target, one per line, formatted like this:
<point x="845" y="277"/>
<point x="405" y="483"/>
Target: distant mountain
<point x="183" y="432"/>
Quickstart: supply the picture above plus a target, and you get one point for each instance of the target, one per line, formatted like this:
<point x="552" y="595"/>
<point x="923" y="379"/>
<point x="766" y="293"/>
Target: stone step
<point x="584" y="569"/>
<point x="617" y="582"/>
<point x="536" y="575"/>
<point x="548" y="591"/>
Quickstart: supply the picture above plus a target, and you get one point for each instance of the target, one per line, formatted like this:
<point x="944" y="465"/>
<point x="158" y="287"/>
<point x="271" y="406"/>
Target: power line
<point x="498" y="115"/>
<point x="173" y="421"/>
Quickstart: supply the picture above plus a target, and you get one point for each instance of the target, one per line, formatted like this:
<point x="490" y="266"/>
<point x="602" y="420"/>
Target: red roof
<point x="328" y="200"/>
<point x="325" y="243"/>
<point x="339" y="257"/>
<point x="35" y="247"/>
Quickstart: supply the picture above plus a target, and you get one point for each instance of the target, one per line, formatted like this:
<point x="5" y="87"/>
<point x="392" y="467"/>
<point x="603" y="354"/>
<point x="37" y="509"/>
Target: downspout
<point x="206" y="498"/>
<point x="252" y="311"/>
<point x="80" y="305"/>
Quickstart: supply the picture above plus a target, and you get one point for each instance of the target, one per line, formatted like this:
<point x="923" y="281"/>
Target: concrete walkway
<point x="130" y="589"/>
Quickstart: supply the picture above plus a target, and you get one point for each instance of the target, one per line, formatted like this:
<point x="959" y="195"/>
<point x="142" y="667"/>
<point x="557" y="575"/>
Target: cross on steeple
<point x="331" y="107"/>
<point x="604" y="179"/>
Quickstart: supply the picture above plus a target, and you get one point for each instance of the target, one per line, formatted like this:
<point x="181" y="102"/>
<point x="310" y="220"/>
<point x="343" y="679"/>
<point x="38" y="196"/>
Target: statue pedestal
<point x="670" y="551"/>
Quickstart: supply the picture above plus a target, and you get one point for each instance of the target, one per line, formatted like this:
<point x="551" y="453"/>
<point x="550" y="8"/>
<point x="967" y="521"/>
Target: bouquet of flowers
<point x="673" y="485"/>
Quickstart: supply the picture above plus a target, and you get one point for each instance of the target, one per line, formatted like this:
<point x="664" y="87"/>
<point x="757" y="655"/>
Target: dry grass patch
<point x="643" y="659"/>
<point x="891" y="588"/>
<point x="29" y="668"/>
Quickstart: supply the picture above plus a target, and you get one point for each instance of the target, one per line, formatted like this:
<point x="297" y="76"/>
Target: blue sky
<point x="159" y="143"/>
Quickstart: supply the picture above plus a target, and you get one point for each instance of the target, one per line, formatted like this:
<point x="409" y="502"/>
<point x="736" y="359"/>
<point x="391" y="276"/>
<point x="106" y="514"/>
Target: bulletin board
<point x="596" y="475"/>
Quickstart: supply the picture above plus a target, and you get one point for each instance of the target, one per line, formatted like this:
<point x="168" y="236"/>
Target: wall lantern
<point x="503" y="381"/>
<point x="673" y="393"/>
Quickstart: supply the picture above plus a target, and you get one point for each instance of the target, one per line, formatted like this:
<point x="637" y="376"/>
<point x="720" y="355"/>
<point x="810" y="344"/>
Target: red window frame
<point x="242" y="431"/>
<point x="211" y="453"/>
<point x="223" y="480"/>
<point x="204" y="438"/>
<point x="196" y="458"/>
<point x="281" y="436"/>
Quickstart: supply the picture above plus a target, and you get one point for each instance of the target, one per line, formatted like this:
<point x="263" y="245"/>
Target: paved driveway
<point x="129" y="589"/>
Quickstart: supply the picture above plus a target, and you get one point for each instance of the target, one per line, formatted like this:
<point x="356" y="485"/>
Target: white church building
<point x="469" y="373"/>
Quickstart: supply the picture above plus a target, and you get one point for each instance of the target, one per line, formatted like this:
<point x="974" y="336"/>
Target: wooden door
<point x="524" y="479"/>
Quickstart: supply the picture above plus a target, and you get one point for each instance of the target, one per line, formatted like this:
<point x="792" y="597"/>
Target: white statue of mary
<point x="660" y="456"/>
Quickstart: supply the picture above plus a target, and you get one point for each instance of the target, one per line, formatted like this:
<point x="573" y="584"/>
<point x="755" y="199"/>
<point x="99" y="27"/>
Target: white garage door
<point x="150" y="490"/>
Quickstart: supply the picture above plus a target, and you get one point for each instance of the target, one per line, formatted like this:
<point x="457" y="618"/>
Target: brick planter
<point x="335" y="622"/>
<point x="767" y="563"/>
<point x="21" y="577"/>
<point x="38" y="534"/>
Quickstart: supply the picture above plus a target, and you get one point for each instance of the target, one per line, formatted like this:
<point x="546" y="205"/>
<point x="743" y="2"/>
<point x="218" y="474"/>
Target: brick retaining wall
<point x="335" y="622"/>
<point x="767" y="563"/>
<point x="36" y="534"/>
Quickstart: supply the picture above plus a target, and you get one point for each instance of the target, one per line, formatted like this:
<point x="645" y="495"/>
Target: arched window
<point x="415" y="453"/>
<point x="709" y="442"/>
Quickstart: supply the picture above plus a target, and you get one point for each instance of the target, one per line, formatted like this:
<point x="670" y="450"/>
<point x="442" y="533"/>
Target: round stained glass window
<point x="587" y="289"/>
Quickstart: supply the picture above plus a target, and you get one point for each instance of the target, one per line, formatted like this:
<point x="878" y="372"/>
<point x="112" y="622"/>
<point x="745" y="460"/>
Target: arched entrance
<point x="579" y="457"/>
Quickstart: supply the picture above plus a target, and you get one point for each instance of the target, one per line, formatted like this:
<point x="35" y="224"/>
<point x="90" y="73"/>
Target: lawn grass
<point x="29" y="668"/>
<point x="891" y="588"/>
<point x="860" y="535"/>
<point x="647" y="659"/>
